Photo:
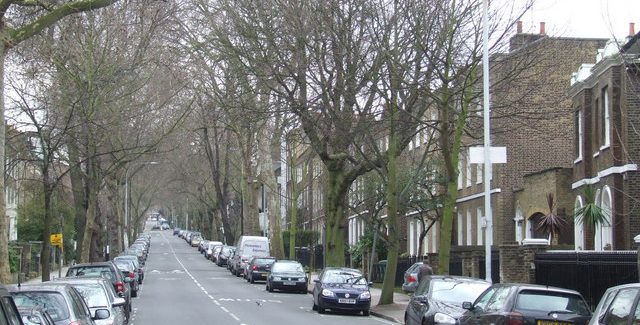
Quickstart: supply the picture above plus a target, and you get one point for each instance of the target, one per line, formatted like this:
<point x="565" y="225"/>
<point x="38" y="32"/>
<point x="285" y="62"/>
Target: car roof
<point x="528" y="286"/>
<point x="83" y="280"/>
<point x="345" y="269"/>
<point x="44" y="286"/>
<point x="108" y="263"/>
<point x="456" y="278"/>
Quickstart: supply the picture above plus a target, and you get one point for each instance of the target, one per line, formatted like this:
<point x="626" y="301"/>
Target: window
<point x="460" y="174"/>
<point x="469" y="228"/>
<point x="479" y="226"/>
<point x="597" y="120"/>
<point x="578" y="135"/>
<point x="604" y="231"/>
<point x="459" y="229"/>
<point x="479" y="173"/>
<point x="578" y="231"/>
<point x="618" y="313"/>
<point x="468" y="171"/>
<point x="605" y="137"/>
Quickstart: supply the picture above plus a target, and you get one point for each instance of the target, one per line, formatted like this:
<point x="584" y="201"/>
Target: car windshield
<point x="286" y="267"/>
<point x="551" y="301"/>
<point x="52" y="302"/>
<point x="101" y="271"/>
<point x="124" y="266"/>
<point x="456" y="291"/>
<point x="344" y="277"/>
<point x="93" y="295"/>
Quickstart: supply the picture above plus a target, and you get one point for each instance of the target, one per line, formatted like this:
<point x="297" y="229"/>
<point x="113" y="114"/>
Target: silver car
<point x="98" y="293"/>
<point x="411" y="277"/>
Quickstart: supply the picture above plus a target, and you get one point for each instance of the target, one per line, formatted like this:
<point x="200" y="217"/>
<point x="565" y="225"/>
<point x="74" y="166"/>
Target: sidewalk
<point x="393" y="312"/>
<point x="53" y="275"/>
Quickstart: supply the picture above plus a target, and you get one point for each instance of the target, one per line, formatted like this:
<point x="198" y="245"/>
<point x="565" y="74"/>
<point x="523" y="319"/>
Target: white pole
<point x="487" y="140"/>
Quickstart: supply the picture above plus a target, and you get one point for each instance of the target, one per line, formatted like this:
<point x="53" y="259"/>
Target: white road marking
<point x="234" y="317"/>
<point x="224" y="309"/>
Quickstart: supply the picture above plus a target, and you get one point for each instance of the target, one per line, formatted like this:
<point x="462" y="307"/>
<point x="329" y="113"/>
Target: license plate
<point x="552" y="322"/>
<point x="289" y="283"/>
<point x="346" y="301"/>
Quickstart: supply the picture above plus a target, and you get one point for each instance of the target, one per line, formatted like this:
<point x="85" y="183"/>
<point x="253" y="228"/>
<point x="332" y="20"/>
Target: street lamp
<point x="126" y="201"/>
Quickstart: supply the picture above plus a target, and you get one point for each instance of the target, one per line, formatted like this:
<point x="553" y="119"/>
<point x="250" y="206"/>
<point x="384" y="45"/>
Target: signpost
<point x="56" y="241"/>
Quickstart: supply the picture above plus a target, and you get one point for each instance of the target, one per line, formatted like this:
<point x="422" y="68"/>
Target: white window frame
<point x="607" y="118"/>
<point x="578" y="227"/>
<point x="460" y="174"/>
<point x="479" y="230"/>
<point x="460" y="242"/>
<point x="479" y="173"/>
<point x="469" y="228"/>
<point x="468" y="171"/>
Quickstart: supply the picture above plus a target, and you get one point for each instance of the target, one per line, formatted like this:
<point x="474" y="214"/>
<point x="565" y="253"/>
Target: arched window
<point x="519" y="220"/>
<point x="606" y="230"/>
<point x="532" y="226"/>
<point x="597" y="240"/>
<point x="578" y="227"/>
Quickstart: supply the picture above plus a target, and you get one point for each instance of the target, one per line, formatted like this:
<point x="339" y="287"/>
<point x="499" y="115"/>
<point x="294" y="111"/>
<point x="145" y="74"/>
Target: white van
<point x="247" y="247"/>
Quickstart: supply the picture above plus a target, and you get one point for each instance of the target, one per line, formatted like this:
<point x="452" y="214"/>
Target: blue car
<point x="341" y="289"/>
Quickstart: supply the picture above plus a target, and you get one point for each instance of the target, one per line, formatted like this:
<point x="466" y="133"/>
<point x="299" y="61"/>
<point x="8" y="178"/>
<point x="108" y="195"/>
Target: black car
<point x="526" y="304"/>
<point x="341" y="289"/>
<point x="258" y="268"/>
<point x="617" y="305"/>
<point x="225" y="254"/>
<point x="438" y="299"/>
<point x="9" y="313"/>
<point x="107" y="270"/>
<point x="287" y="276"/>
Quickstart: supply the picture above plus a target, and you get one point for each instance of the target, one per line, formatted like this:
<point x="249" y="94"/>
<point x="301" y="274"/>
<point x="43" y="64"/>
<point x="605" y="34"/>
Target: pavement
<point x="53" y="275"/>
<point x="392" y="312"/>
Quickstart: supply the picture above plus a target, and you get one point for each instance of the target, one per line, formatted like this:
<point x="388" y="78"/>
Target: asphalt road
<point x="181" y="287"/>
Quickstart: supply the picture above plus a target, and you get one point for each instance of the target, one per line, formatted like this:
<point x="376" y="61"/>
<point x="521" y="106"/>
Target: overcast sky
<point x="583" y="18"/>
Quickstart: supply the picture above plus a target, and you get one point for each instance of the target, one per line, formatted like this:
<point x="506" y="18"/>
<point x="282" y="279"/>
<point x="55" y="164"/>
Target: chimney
<point x="542" y="31"/>
<point x="519" y="27"/>
<point x="632" y="29"/>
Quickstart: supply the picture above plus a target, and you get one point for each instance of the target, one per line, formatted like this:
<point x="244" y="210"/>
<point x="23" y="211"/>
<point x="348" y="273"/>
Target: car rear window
<point x="551" y="301"/>
<point x="100" y="271"/>
<point x="93" y="295"/>
<point x="264" y="261"/>
<point x="53" y="302"/>
<point x="456" y="291"/>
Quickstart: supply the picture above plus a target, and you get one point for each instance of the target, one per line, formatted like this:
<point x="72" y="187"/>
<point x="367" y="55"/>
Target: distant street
<point x="181" y="287"/>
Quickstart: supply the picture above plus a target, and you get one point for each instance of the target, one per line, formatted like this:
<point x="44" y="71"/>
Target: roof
<point x="527" y="286"/>
<point x="44" y="286"/>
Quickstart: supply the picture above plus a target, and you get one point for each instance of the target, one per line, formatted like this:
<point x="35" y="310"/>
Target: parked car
<point x="107" y="270"/>
<point x="35" y="315"/>
<point x="136" y="263"/>
<point x="341" y="289"/>
<point x="222" y="258"/>
<point x="528" y="304"/>
<point x="202" y="244"/>
<point x="99" y="294"/>
<point x="176" y="231"/>
<point x="212" y="253"/>
<point x="286" y="276"/>
<point x="11" y="315"/>
<point x="411" y="277"/>
<point x="258" y="268"/>
<point x="438" y="299"/>
<point x="195" y="240"/>
<point x="128" y="269"/>
<point x="63" y="303"/>
<point x="616" y="306"/>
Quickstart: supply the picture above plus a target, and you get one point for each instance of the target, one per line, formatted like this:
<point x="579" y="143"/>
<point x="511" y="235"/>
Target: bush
<point x="364" y="245"/>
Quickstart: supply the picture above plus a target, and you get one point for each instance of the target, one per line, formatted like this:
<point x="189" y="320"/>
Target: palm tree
<point x="551" y="223"/>
<point x="590" y="213"/>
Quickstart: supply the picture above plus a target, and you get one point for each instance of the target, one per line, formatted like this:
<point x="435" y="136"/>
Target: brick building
<point x="532" y="117"/>
<point x="606" y="102"/>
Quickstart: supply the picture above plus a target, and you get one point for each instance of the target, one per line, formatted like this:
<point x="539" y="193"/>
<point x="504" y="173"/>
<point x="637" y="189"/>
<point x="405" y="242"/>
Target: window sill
<point x="578" y="160"/>
<point x="596" y="154"/>
<point x="606" y="146"/>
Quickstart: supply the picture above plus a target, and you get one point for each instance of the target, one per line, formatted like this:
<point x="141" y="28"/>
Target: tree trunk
<point x="334" y="212"/>
<point x="293" y="203"/>
<point x="386" y="297"/>
<point x="5" y="271"/>
<point x="46" y="233"/>
<point x="91" y="212"/>
<point x="78" y="191"/>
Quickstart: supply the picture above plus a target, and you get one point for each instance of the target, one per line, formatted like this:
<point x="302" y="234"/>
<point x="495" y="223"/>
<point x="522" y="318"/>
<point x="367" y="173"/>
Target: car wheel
<point x="134" y="293"/>
<point x="270" y="289"/>
<point x="321" y="310"/>
<point x="315" y="307"/>
<point x="252" y="280"/>
<point x="366" y="312"/>
<point x="249" y="280"/>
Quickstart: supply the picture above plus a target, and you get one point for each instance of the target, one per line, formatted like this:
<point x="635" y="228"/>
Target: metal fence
<point x="378" y="269"/>
<point x="589" y="273"/>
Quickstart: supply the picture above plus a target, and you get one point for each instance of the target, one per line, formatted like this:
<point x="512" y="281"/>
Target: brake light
<point x="515" y="319"/>
<point x="411" y="278"/>
<point x="132" y="275"/>
<point x="255" y="267"/>
<point x="119" y="287"/>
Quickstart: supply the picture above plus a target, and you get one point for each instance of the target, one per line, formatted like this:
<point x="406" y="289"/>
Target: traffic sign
<point x="56" y="239"/>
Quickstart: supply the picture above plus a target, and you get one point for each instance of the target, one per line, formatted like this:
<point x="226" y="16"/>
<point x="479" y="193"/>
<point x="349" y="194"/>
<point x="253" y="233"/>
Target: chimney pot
<point x="519" y="27"/>
<point x="542" y="30"/>
<point x="632" y="29"/>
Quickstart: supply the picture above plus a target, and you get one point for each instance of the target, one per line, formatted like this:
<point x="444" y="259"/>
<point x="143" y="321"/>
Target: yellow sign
<point x="56" y="240"/>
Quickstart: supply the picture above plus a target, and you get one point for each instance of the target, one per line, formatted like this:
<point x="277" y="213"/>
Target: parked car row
<point x="439" y="299"/>
<point x="91" y="293"/>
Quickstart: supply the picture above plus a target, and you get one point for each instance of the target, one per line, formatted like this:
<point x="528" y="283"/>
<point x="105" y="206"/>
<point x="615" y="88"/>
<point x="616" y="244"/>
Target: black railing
<point x="589" y="273"/>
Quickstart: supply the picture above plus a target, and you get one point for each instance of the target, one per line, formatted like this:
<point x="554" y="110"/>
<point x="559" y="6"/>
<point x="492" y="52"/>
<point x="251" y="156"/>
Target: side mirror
<point x="102" y="314"/>
<point x="421" y="299"/>
<point x="128" y="280"/>
<point x="119" y="302"/>
<point x="467" y="305"/>
<point x="370" y="284"/>
<point x="316" y="281"/>
<point x="33" y="319"/>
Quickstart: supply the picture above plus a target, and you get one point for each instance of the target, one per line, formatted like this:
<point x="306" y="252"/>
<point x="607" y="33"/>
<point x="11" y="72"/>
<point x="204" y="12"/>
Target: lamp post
<point x="126" y="201"/>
